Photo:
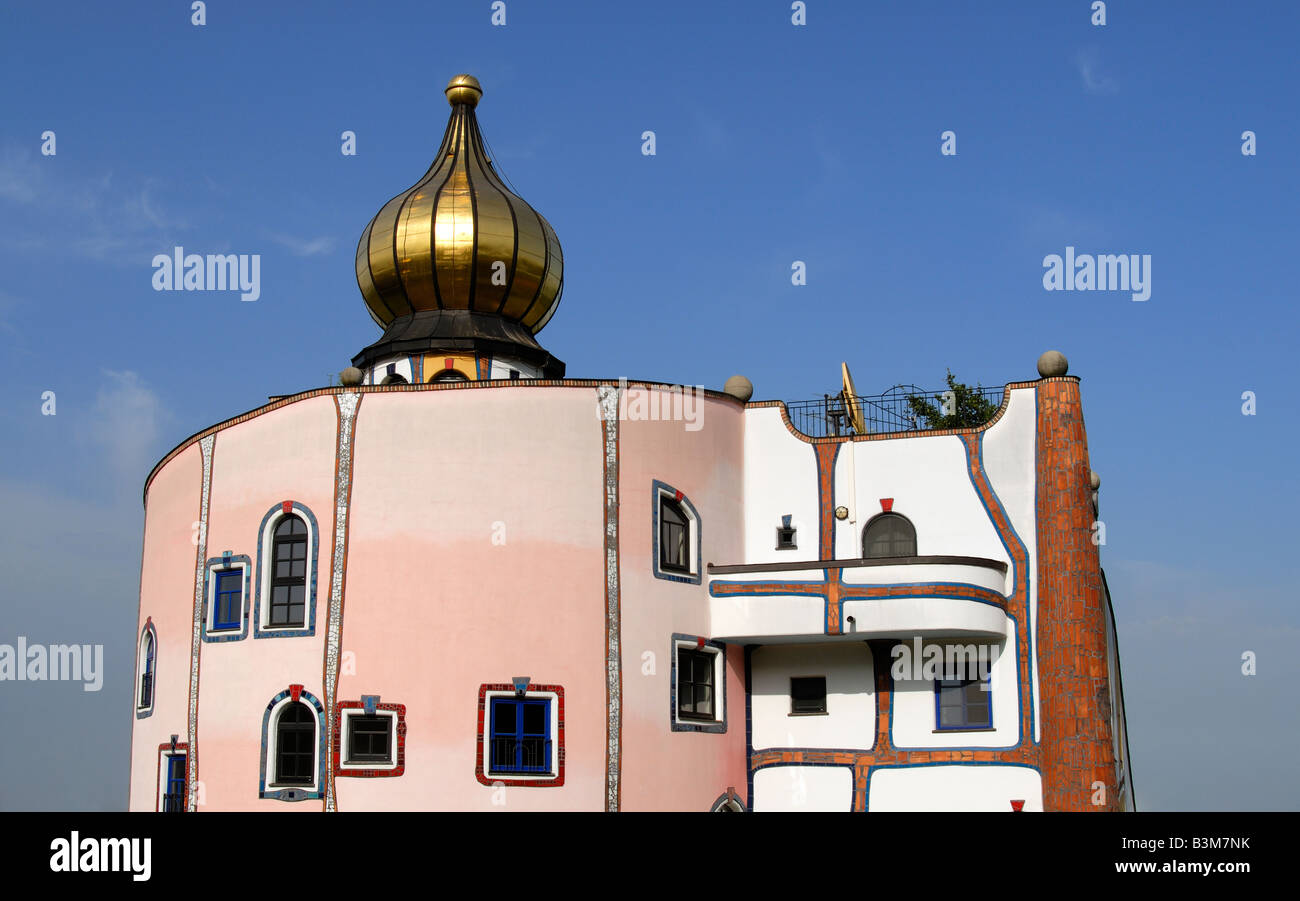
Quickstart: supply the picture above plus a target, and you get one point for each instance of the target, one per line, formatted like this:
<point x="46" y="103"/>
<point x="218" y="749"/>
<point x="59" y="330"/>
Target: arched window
<point x="449" y="375"/>
<point x="295" y="745"/>
<point x="289" y="573"/>
<point x="147" y="655"/>
<point x="394" y="379"/>
<point x="889" y="535"/>
<point x="674" y="537"/>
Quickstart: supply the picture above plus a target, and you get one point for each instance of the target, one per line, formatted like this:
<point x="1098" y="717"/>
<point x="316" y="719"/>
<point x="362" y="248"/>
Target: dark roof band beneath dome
<point x="434" y="331"/>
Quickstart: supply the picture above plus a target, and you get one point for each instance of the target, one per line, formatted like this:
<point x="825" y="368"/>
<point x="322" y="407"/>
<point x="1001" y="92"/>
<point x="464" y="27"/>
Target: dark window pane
<point x="808" y="694"/>
<point x="889" y="535"/>
<point x="504" y="719"/>
<point x="534" y="719"/>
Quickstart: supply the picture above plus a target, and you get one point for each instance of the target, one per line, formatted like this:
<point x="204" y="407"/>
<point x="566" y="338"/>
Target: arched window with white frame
<point x="146" y="670"/>
<point x="287" y="563"/>
<point x="293" y="750"/>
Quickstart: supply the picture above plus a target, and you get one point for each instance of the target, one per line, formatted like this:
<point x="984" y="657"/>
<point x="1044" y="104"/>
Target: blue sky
<point x="775" y="143"/>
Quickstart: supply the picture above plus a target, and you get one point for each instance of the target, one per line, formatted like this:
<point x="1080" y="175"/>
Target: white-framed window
<point x="173" y="775"/>
<point x="523" y="738"/>
<point x="369" y="740"/>
<point x="676" y="535"/>
<point x="146" y="670"/>
<point x="699" y="696"/>
<point x="287" y="560"/>
<point x="292" y="747"/>
<point x="228" y="581"/>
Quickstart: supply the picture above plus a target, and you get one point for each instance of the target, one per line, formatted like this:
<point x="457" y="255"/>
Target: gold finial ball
<point x="464" y="89"/>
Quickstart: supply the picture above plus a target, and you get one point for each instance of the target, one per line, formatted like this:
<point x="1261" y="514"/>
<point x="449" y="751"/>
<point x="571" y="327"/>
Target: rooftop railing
<point x="881" y="413"/>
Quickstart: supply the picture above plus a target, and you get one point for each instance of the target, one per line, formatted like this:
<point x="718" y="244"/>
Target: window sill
<point x="810" y="713"/>
<point x="964" y="729"/>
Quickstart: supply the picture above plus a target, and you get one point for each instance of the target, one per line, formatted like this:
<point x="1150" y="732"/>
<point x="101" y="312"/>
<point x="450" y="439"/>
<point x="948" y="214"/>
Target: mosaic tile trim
<point x="206" y="448"/>
<point x="608" y="399"/>
<point x="347" y="404"/>
<point x="656" y="488"/>
<point x="480" y="770"/>
<point x="309" y="628"/>
<point x="227" y="562"/>
<point x="673" y="723"/>
<point x="296" y="793"/>
<point x="336" y="742"/>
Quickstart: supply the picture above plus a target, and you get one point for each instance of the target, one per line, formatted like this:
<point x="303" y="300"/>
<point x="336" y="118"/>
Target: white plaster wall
<point x="928" y="481"/>
<point x="500" y="369"/>
<point x="850" y="718"/>
<point x="766" y="616"/>
<point x="893" y="617"/>
<point x="956" y="787"/>
<point x="1011" y="467"/>
<point x="803" y="788"/>
<point x="930" y="572"/>
<point x="914" y="719"/>
<point x="780" y="479"/>
<point x="402" y="367"/>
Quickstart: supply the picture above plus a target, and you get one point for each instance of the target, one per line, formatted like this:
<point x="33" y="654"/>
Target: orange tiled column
<point x="1074" y="677"/>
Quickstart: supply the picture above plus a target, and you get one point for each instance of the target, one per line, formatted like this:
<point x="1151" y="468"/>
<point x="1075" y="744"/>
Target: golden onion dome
<point x="459" y="239"/>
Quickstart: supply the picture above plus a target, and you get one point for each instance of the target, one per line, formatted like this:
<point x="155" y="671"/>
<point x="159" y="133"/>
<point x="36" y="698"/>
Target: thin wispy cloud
<point x="48" y="209"/>
<point x="1088" y="64"/>
<point x="305" y="247"/>
<point x="126" y="423"/>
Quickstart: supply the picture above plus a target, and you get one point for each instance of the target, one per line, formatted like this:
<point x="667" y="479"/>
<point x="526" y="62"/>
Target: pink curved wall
<point x="475" y="554"/>
<point x="166" y="596"/>
<point x="287" y="455"/>
<point x="662" y="769"/>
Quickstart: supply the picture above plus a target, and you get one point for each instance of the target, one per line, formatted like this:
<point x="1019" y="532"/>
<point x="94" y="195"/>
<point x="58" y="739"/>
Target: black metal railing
<point x="881" y="413"/>
<point x="526" y="755"/>
<point x="146" y="690"/>
<point x="174" y="803"/>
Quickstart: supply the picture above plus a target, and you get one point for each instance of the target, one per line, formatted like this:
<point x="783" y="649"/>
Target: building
<point x="462" y="581"/>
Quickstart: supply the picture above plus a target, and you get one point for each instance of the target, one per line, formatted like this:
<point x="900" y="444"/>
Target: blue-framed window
<point x="174" y="796"/>
<point x="228" y="600"/>
<point x="520" y="735"/>
<point x="963" y="703"/>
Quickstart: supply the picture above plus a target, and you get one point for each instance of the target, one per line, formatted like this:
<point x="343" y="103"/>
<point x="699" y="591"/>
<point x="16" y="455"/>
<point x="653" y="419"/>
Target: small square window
<point x="521" y="736"/>
<point x="963" y="704"/>
<point x="699" y="695"/>
<point x="370" y="739"/>
<point x="785" y="538"/>
<point x="228" y="600"/>
<point x="695" y="688"/>
<point x="808" y="694"/>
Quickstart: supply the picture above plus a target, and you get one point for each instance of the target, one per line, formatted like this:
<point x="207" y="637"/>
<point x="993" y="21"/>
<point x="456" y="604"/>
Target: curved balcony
<point x="931" y="595"/>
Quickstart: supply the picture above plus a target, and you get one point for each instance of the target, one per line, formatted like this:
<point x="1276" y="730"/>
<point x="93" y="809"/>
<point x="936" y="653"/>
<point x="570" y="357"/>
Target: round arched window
<point x="889" y="535"/>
